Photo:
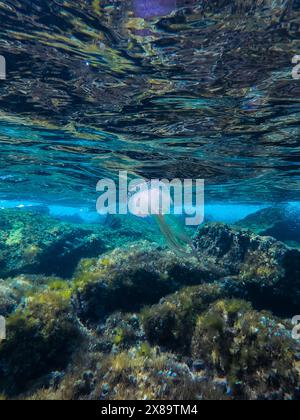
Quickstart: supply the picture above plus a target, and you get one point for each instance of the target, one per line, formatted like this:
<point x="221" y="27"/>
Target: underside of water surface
<point x="97" y="306"/>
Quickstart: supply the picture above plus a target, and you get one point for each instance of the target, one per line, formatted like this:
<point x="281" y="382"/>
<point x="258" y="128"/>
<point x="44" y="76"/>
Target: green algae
<point x="35" y="243"/>
<point x="128" y="278"/>
<point x="221" y="348"/>
<point x="171" y="323"/>
<point x="253" y="349"/>
<point x="40" y="337"/>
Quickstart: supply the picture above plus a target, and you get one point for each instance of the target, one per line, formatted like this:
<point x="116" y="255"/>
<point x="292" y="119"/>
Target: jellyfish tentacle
<point x="175" y="240"/>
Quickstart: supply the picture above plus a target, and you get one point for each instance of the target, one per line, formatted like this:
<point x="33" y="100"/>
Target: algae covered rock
<point x="237" y="353"/>
<point x="230" y="251"/>
<point x="120" y="331"/>
<point x="8" y="299"/>
<point x="253" y="350"/>
<point x="134" y="374"/>
<point x="283" y="223"/>
<point x="13" y="291"/>
<point x="127" y="279"/>
<point x="35" y="243"/>
<point x="40" y="337"/>
<point x="171" y="323"/>
<point x="259" y="268"/>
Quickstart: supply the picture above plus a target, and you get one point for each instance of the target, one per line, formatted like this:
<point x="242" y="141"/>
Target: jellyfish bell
<point x="154" y="199"/>
<point x="149" y="199"/>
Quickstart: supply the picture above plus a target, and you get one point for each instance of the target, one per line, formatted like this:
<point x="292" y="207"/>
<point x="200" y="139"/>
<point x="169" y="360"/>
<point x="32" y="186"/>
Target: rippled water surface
<point x="161" y="88"/>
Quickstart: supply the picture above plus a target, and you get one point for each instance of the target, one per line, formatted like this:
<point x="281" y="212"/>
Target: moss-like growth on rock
<point x="40" y="337"/>
<point x="129" y="278"/>
<point x="171" y="323"/>
<point x="253" y="350"/>
<point x="120" y="331"/>
<point x="8" y="299"/>
<point x="33" y="243"/>
<point x="132" y="375"/>
<point x="14" y="291"/>
<point x="264" y="270"/>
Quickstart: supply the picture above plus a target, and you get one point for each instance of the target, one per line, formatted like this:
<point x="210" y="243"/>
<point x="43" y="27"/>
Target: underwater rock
<point x="34" y="243"/>
<point x="119" y="332"/>
<point x="14" y="291"/>
<point x="237" y="353"/>
<point x="131" y="375"/>
<point x="73" y="218"/>
<point x="127" y="279"/>
<point x="41" y="336"/>
<point x="171" y="323"/>
<point x="282" y="223"/>
<point x="221" y="349"/>
<point x="8" y="299"/>
<point x="257" y="268"/>
<point x="254" y="351"/>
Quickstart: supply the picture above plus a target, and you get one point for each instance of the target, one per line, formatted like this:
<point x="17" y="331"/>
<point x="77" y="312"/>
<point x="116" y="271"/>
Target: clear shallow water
<point x="227" y="213"/>
<point x="99" y="307"/>
<point x="158" y="88"/>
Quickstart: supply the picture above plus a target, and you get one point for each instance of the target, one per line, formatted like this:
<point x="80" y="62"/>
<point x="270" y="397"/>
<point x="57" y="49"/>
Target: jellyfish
<point x="155" y="201"/>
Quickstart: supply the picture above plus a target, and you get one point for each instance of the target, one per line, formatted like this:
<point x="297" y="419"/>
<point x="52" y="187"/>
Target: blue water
<point x="161" y="89"/>
<point x="214" y="212"/>
<point x="157" y="88"/>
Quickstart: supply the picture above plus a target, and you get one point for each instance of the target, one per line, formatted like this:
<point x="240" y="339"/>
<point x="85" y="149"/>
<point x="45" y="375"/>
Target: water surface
<point x="161" y="88"/>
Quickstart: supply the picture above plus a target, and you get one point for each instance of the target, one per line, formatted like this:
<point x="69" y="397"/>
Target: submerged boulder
<point x="120" y="331"/>
<point x="171" y="323"/>
<point x="260" y="269"/>
<point x="139" y="373"/>
<point x="8" y="299"/>
<point x="35" y="243"/>
<point x="127" y="279"/>
<point x="253" y="350"/>
<point x="234" y="353"/>
<point x="41" y="337"/>
<point x="283" y="223"/>
<point x="15" y="291"/>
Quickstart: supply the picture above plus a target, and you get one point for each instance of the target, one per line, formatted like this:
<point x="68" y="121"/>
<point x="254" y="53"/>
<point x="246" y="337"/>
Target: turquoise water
<point x="112" y="307"/>
<point x="202" y="91"/>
